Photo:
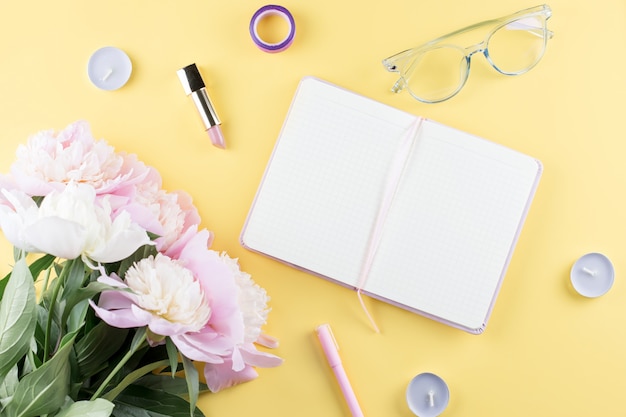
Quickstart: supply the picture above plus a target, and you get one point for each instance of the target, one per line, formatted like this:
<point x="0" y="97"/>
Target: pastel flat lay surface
<point x="547" y="350"/>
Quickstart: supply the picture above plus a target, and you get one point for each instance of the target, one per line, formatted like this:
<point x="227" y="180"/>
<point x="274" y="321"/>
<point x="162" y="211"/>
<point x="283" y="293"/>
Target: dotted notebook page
<point x="452" y="226"/>
<point x="322" y="189"/>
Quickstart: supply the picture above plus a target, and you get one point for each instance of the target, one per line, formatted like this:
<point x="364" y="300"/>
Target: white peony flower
<point x="170" y="293"/>
<point x="70" y="224"/>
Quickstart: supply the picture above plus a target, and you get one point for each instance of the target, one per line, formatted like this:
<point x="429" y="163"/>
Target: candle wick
<point x="431" y="398"/>
<point x="107" y="75"/>
<point x="589" y="271"/>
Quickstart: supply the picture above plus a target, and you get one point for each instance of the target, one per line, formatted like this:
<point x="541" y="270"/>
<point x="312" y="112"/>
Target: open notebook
<point x="402" y="208"/>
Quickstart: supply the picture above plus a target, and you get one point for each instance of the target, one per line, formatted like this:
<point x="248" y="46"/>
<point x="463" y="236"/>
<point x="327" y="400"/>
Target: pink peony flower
<point x="166" y="214"/>
<point x="238" y="368"/>
<point x="51" y="160"/>
<point x="70" y="195"/>
<point x="210" y="310"/>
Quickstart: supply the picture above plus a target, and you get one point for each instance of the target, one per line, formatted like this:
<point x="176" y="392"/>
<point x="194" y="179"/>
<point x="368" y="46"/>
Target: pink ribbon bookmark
<point x="391" y="186"/>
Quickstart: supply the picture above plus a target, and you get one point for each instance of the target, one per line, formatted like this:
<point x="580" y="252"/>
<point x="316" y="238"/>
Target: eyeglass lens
<point x="513" y="48"/>
<point x="517" y="46"/>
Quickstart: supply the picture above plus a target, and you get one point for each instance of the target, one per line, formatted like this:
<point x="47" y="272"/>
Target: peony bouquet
<point x="115" y="305"/>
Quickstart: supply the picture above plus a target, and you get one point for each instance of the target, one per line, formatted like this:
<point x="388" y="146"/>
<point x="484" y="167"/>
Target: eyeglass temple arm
<point x="399" y="85"/>
<point x="392" y="63"/>
<point x="533" y="29"/>
<point x="543" y="11"/>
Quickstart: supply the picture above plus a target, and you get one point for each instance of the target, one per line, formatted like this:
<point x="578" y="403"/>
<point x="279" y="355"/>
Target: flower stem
<point x="136" y="345"/>
<point x="55" y="293"/>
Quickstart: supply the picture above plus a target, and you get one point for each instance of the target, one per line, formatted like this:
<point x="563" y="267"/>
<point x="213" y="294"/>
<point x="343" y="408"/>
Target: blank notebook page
<point x="453" y="225"/>
<point x="324" y="182"/>
<point x="450" y="229"/>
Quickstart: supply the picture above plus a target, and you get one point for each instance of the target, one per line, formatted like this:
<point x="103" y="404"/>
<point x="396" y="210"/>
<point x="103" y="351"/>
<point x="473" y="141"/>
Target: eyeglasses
<point x="437" y="70"/>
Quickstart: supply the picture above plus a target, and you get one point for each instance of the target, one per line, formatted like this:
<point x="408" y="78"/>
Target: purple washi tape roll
<point x="262" y="13"/>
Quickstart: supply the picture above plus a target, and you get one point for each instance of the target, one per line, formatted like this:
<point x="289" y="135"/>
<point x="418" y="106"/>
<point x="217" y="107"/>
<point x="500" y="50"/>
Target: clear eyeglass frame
<point x="503" y="37"/>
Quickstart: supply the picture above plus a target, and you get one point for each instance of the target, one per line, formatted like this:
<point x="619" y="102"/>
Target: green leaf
<point x="172" y="354"/>
<point x="123" y="410"/>
<point x="18" y="317"/>
<point x="40" y="329"/>
<point x="156" y="403"/>
<point x="132" y="377"/>
<point x="82" y="294"/>
<point x="76" y="318"/>
<point x="7" y="387"/>
<point x="96" y="408"/>
<point x="95" y="349"/>
<point x="75" y="277"/>
<point x="73" y="314"/>
<point x="164" y="382"/>
<point x="193" y="382"/>
<point x="138" y="339"/>
<point x="18" y="253"/>
<point x="43" y="391"/>
<point x="68" y="339"/>
<point x="141" y="253"/>
<point x="39" y="265"/>
<point x="137" y="344"/>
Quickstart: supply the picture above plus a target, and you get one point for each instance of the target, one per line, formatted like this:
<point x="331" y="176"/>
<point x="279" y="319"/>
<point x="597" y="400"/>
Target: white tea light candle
<point x="427" y="395"/>
<point x="592" y="275"/>
<point x="109" y="68"/>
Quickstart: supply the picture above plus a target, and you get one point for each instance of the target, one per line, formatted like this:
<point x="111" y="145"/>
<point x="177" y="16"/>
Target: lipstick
<point x="194" y="86"/>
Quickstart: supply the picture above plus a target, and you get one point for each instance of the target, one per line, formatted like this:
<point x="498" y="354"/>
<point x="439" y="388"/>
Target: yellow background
<point x="546" y="351"/>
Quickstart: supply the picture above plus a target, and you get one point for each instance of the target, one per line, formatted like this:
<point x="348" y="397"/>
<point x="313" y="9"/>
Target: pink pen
<point x="330" y="347"/>
<point x="194" y="86"/>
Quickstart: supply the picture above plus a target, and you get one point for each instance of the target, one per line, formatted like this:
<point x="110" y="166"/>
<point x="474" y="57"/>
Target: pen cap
<point x="190" y="78"/>
<point x="329" y="345"/>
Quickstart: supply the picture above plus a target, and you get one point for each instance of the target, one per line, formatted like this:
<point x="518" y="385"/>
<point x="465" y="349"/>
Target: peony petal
<point x="144" y="217"/>
<point x="122" y="318"/>
<point x="12" y="226"/>
<point x="141" y="314"/>
<point x="238" y="363"/>
<point x="112" y="280"/>
<point x="165" y="327"/>
<point x="267" y="341"/>
<point x="192" y="217"/>
<point x="56" y="236"/>
<point x="203" y="346"/>
<point x="16" y="210"/>
<point x="254" y="357"/>
<point x="8" y="182"/>
<point x="121" y="246"/>
<point x="220" y="376"/>
<point x="115" y="300"/>
<point x="20" y="201"/>
<point x="33" y="185"/>
<point x="174" y="250"/>
<point x="218" y="282"/>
